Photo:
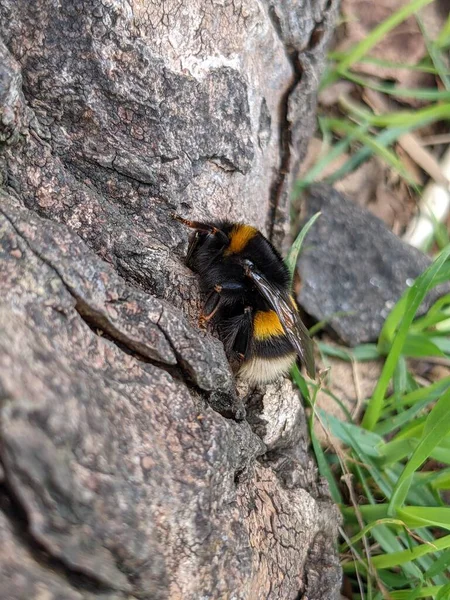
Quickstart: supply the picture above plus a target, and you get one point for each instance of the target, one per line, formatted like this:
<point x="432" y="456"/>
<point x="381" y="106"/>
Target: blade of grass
<point x="291" y="259"/>
<point x="414" y="299"/>
<point x="322" y="462"/>
<point x="383" y="139"/>
<point x="387" y="426"/>
<point x="368" y="528"/>
<point x="423" y="592"/>
<point x="439" y="565"/>
<point x="393" y="90"/>
<point x="435" y="54"/>
<point x="437" y="426"/>
<point x="425" y="516"/>
<point x="419" y="346"/>
<point x="395" y="559"/>
<point x="370" y="512"/>
<point x="323" y="162"/>
<point x="444" y="593"/>
<point x="300" y="382"/>
<point x="350" y="434"/>
<point x="342" y="126"/>
<point x="335" y="351"/>
<point x="443" y="39"/>
<point x="424" y="68"/>
<point x="434" y="312"/>
<point x="401" y="118"/>
<point x="432" y="392"/>
<point x="442" y="480"/>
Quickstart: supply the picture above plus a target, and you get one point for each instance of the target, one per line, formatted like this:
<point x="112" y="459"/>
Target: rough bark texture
<point x="128" y="469"/>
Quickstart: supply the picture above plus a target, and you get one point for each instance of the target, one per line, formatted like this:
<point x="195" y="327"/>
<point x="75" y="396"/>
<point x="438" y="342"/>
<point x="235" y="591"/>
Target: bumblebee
<point x="247" y="289"/>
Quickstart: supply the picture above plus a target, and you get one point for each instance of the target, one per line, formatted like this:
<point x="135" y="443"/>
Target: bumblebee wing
<point x="286" y="310"/>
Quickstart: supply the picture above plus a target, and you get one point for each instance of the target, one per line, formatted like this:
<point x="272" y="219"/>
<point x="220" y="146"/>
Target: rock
<point x="351" y="263"/>
<point x="102" y="448"/>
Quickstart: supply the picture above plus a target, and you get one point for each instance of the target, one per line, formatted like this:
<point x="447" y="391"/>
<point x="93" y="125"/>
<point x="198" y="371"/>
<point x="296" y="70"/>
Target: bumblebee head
<point x="209" y="239"/>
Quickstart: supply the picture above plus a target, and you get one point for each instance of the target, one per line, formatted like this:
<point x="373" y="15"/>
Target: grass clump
<point x="390" y="470"/>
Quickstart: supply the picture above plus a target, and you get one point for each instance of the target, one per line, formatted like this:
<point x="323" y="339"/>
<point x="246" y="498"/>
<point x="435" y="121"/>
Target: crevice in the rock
<point x="222" y="162"/>
<point x="254" y="405"/>
<point x="285" y="136"/>
<point x="12" y="508"/>
<point x="316" y="36"/>
<point x="300" y="596"/>
<point x="100" y="326"/>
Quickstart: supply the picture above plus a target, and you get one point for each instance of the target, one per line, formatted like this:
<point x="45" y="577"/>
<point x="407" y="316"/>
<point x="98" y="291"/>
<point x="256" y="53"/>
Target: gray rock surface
<point x="351" y="263"/>
<point x="127" y="467"/>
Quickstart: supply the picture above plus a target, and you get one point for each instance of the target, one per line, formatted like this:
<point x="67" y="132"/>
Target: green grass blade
<point x="317" y="169"/>
<point x="439" y="565"/>
<point x="391" y="324"/>
<point x="425" y="516"/>
<point x="395" y="559"/>
<point x="380" y="62"/>
<point x="324" y="469"/>
<point x="370" y="512"/>
<point x="414" y="299"/>
<point x="432" y="392"/>
<point x="351" y="435"/>
<point x="365" y="352"/>
<point x="300" y="382"/>
<point x="335" y="351"/>
<point x="437" y="426"/>
<point x="435" y="54"/>
<point x="333" y="153"/>
<point x="444" y="592"/>
<point x="291" y="259"/>
<point x="342" y="126"/>
<point x="422" y="592"/>
<point x="384" y="139"/>
<point x="420" y="346"/>
<point x="322" y="463"/>
<point x="392" y="90"/>
<point x="402" y="118"/>
<point x="440" y="481"/>
<point x="443" y="39"/>
<point x="391" y="423"/>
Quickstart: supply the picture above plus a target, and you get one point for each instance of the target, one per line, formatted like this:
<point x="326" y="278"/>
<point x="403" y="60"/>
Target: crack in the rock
<point x="96" y="321"/>
<point x="285" y="136"/>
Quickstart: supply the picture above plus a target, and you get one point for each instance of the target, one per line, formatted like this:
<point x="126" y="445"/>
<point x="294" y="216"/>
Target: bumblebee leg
<point x="210" y="307"/>
<point x="191" y="248"/>
<point x="212" y="302"/>
<point x="241" y="342"/>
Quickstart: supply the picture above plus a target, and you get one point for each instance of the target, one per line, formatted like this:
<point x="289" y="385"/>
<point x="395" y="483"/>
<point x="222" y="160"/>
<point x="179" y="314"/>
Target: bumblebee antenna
<point x="198" y="226"/>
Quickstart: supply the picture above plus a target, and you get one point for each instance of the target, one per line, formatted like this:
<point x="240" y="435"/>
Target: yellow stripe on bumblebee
<point x="239" y="236"/>
<point x="266" y="324"/>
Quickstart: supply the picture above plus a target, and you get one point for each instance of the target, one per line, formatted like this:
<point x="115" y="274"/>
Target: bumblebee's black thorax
<point x="218" y="259"/>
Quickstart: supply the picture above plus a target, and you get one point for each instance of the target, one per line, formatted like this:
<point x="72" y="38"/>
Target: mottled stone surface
<point x="128" y="469"/>
<point x="351" y="263"/>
